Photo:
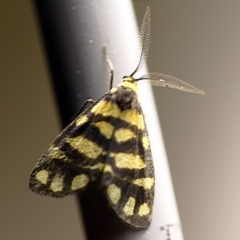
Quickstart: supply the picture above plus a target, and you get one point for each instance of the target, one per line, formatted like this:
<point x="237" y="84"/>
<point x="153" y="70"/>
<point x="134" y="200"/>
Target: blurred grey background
<point x="198" y="41"/>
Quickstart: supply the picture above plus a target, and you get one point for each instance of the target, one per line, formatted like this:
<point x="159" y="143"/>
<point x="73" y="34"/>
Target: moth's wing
<point x="75" y="158"/>
<point x="128" y="174"/>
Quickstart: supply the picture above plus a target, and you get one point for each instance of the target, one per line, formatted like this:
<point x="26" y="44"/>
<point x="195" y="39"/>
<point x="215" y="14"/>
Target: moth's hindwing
<point x="107" y="143"/>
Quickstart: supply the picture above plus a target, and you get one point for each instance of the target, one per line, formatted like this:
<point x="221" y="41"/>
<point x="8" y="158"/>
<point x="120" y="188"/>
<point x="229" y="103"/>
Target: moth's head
<point x="129" y="82"/>
<point x="130" y="79"/>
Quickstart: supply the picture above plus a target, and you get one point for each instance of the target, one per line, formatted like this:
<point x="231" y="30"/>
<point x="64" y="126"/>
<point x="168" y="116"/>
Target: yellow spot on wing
<point x="111" y="154"/>
<point x="145" y="142"/>
<point x="79" y="181"/>
<point x="114" y="193"/>
<point x="104" y="153"/>
<point x="144" y="210"/>
<point x="129" y="206"/>
<point x="56" y="153"/>
<point x="106" y="108"/>
<point x="81" y="120"/>
<point x="123" y="135"/>
<point x="108" y="168"/>
<point x="105" y="128"/>
<point x="129" y="161"/>
<point x="57" y="184"/>
<point x="85" y="146"/>
<point x="42" y="176"/>
<point x="133" y="117"/>
<point x="98" y="166"/>
<point x="146" y="183"/>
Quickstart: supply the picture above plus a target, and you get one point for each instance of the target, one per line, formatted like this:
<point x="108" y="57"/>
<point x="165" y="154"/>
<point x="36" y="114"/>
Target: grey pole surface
<point x="75" y="32"/>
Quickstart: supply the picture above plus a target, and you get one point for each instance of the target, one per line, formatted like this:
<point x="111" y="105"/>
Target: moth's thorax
<point x="125" y="94"/>
<point x="129" y="82"/>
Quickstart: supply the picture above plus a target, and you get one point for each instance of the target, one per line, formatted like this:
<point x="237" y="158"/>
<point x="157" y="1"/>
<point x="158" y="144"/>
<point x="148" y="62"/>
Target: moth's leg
<point x="109" y="62"/>
<point x="88" y="101"/>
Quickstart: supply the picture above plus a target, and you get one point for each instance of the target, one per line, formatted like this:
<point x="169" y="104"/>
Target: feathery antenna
<point x="158" y="79"/>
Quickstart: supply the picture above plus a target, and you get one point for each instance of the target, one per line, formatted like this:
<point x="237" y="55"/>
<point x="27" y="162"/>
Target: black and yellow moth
<point x="108" y="144"/>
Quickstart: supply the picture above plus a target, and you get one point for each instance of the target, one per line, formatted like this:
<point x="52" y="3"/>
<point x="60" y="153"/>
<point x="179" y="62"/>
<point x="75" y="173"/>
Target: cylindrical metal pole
<point x="75" y="32"/>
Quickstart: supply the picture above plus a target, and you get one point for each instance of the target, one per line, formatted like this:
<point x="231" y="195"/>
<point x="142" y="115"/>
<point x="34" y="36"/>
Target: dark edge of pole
<point x="74" y="42"/>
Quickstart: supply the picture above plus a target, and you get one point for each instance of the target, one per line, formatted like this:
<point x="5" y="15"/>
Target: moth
<point x="108" y="144"/>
